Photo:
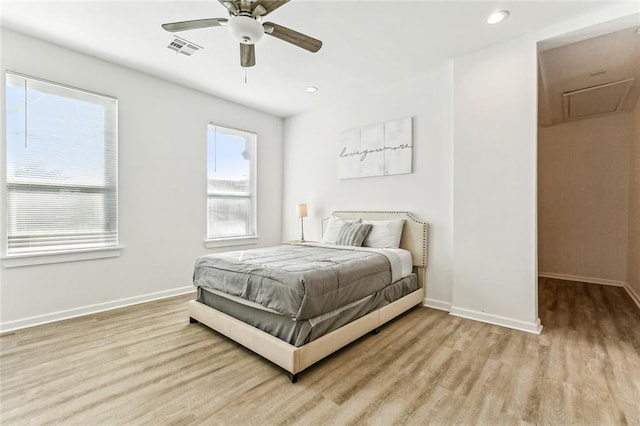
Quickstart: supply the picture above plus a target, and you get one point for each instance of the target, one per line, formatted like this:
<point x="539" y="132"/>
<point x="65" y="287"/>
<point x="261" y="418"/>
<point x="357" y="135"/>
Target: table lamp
<point x="301" y="212"/>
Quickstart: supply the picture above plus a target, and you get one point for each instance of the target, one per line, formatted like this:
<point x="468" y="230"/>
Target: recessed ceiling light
<point x="498" y="16"/>
<point x="312" y="89"/>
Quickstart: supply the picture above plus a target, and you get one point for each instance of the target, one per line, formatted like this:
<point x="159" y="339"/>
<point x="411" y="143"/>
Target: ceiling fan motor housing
<point x="246" y="29"/>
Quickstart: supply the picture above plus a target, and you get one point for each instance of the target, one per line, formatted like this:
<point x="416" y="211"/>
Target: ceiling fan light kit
<point x="245" y="29"/>
<point x="245" y="25"/>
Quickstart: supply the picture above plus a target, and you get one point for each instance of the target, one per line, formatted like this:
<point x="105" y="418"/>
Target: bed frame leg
<point x="293" y="378"/>
<point x="375" y="331"/>
<point x="193" y="320"/>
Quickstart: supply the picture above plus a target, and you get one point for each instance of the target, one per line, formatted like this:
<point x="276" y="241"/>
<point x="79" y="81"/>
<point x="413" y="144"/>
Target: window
<point x="61" y="185"/>
<point x="231" y="183"/>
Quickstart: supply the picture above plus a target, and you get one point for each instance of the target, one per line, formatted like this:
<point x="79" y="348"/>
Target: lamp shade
<point x="301" y="210"/>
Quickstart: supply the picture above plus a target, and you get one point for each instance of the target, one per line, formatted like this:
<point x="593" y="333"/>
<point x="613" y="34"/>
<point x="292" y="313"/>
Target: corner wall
<point x="494" y="186"/>
<point x="162" y="187"/>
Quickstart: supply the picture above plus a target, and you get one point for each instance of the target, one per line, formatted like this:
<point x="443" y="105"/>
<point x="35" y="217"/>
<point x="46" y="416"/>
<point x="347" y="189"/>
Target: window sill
<point x="31" y="259"/>
<point x="229" y="242"/>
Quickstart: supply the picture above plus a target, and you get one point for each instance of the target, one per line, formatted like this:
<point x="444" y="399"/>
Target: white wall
<point x="494" y="185"/>
<point x="162" y="177"/>
<point x="311" y="167"/>
<point x="583" y="195"/>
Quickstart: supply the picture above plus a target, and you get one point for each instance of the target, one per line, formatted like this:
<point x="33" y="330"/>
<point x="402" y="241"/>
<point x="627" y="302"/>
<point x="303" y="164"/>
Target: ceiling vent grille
<point x="603" y="99"/>
<point x="180" y="45"/>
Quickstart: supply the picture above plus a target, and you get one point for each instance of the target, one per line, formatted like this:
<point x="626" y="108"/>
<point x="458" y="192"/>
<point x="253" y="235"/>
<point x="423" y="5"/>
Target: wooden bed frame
<point x="295" y="359"/>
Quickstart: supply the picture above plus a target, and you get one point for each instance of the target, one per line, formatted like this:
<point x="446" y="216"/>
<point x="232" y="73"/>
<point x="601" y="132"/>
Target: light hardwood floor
<point x="147" y="365"/>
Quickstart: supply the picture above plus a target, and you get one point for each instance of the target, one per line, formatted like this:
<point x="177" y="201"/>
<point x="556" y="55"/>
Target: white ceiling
<point x="366" y="43"/>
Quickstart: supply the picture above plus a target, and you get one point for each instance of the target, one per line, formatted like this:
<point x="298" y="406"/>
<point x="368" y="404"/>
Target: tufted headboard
<point x="415" y="234"/>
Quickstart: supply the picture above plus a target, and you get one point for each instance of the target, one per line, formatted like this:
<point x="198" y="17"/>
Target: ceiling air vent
<point x="180" y="45"/>
<point x="603" y="99"/>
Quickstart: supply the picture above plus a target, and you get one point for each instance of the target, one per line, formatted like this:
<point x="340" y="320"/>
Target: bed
<point x="304" y="321"/>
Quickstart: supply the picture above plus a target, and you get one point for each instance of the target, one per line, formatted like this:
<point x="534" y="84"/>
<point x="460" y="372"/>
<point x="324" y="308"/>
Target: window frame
<point x="57" y="255"/>
<point x="212" y="242"/>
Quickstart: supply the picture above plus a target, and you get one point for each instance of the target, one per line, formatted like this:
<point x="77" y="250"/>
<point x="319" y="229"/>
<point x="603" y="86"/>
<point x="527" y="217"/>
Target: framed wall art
<point x="378" y="150"/>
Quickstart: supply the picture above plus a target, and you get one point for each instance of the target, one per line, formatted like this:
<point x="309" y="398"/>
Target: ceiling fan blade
<point x="195" y="24"/>
<point x="290" y="36"/>
<point x="247" y="55"/>
<point x="269" y="5"/>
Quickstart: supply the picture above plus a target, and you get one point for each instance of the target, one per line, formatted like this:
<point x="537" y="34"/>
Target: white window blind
<point x="62" y="192"/>
<point x="231" y="183"/>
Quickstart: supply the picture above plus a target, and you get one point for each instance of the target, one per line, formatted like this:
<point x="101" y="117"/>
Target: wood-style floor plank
<point x="146" y="365"/>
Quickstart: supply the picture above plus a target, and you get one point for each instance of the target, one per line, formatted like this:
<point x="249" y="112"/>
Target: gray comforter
<point x="298" y="281"/>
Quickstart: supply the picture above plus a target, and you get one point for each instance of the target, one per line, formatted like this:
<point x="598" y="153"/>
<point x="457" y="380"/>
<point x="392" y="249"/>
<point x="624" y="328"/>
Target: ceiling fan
<point x="245" y="24"/>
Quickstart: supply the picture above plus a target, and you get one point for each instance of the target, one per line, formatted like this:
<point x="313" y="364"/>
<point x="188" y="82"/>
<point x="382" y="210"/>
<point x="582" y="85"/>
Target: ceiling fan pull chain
<point x="245" y="75"/>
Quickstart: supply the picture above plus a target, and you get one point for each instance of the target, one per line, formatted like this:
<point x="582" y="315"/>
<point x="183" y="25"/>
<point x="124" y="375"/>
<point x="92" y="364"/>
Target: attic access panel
<point x="602" y="99"/>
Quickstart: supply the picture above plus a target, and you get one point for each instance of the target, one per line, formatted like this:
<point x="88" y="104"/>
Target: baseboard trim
<point x="590" y="280"/>
<point x="91" y="309"/>
<point x="632" y="293"/>
<point x="529" y="327"/>
<point x="437" y="304"/>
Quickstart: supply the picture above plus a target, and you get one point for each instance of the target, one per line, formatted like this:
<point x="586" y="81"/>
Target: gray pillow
<point x="353" y="234"/>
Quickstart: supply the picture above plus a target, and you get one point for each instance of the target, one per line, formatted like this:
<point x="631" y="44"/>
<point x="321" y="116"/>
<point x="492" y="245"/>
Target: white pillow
<point x="334" y="225"/>
<point x="384" y="233"/>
